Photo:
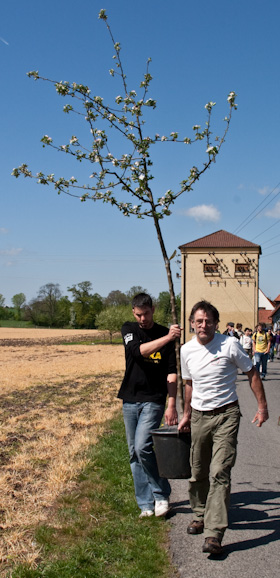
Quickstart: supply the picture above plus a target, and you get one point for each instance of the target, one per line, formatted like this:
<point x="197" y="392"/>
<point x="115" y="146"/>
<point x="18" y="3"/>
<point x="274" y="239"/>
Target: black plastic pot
<point x="172" y="449"/>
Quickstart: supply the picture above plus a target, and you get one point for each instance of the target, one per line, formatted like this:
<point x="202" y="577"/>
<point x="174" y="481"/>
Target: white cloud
<point x="9" y="264"/>
<point x="264" y="190"/>
<point x="4" y="41"/>
<point x="3" y="231"/>
<point x="275" y="212"/>
<point x="10" y="252"/>
<point x="203" y="213"/>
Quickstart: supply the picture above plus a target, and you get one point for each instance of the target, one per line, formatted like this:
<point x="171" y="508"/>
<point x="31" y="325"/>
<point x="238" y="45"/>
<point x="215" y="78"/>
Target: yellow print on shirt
<point x="155" y="357"/>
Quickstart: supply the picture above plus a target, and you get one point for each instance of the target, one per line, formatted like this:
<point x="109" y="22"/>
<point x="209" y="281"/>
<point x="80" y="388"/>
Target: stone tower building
<point x="223" y="269"/>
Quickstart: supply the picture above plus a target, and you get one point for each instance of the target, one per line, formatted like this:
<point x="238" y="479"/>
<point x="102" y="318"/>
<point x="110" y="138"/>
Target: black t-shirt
<point x="145" y="378"/>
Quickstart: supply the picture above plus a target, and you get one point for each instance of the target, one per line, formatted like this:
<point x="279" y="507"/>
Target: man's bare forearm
<point x="257" y="387"/>
<point x="184" y="424"/>
<point x="146" y="349"/>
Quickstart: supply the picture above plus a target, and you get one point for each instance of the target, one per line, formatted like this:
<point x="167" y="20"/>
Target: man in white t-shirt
<point x="210" y="363"/>
<point x="246" y="341"/>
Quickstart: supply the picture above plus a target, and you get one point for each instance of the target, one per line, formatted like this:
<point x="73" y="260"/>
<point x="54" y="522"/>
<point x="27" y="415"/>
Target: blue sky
<point x="200" y="52"/>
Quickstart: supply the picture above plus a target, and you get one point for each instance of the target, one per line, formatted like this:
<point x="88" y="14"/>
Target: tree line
<point x="84" y="310"/>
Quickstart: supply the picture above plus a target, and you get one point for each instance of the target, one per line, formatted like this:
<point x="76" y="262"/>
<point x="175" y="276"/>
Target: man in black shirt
<point x="149" y="376"/>
<point x="230" y="330"/>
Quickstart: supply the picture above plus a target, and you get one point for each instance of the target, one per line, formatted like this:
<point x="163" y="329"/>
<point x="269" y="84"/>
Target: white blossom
<point x="231" y="97"/>
<point x="47" y="138"/>
<point x="212" y="150"/>
<point x="209" y="105"/>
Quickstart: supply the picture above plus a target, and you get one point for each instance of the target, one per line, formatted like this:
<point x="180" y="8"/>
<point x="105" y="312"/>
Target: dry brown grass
<point x="54" y="402"/>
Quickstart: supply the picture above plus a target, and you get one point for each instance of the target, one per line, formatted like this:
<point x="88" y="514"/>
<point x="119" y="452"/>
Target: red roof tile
<point x="220" y="239"/>
<point x="277" y="298"/>
<point x="275" y="310"/>
<point x="265" y="316"/>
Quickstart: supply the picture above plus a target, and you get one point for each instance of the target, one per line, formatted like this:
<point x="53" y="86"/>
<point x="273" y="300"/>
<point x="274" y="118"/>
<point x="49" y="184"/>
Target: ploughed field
<point x="56" y="395"/>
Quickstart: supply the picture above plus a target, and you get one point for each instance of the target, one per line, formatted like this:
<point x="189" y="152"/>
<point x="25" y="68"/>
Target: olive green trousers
<point x="213" y="454"/>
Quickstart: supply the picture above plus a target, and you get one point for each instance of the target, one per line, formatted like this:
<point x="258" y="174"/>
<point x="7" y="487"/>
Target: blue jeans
<point x="139" y="419"/>
<point x="271" y="353"/>
<point x="261" y="359"/>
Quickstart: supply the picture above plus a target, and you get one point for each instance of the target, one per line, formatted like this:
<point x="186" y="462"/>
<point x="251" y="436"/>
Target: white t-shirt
<point x="213" y="370"/>
<point x="246" y="341"/>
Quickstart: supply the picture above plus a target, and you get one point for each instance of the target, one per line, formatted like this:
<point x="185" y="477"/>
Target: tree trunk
<point x="174" y="314"/>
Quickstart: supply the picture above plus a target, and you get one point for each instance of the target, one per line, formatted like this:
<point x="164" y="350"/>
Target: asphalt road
<point x="252" y="541"/>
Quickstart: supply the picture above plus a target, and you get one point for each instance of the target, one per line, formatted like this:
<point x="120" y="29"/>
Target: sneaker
<point x="263" y="377"/>
<point x="161" y="508"/>
<point x="146" y="514"/>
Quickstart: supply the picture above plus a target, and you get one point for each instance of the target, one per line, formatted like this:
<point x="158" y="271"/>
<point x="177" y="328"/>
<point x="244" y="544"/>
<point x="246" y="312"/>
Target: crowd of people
<point x="262" y="345"/>
<point x="209" y="365"/>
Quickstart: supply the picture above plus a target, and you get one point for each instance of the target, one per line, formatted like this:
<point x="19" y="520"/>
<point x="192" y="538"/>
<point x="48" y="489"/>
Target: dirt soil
<point x="33" y="356"/>
<point x="56" y="397"/>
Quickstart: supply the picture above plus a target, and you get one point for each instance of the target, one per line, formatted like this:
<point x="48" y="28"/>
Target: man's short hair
<point x="142" y="300"/>
<point x="230" y="323"/>
<point x="207" y="308"/>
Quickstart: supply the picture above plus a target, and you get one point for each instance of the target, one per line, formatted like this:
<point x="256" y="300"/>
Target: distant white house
<point x="269" y="311"/>
<point x="264" y="302"/>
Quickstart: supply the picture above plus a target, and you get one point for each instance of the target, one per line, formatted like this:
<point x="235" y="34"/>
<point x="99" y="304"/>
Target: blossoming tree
<point x="124" y="179"/>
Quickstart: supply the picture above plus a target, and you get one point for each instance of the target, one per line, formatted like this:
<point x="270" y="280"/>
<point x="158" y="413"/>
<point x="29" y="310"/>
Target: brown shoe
<point x="195" y="527"/>
<point x="212" y="546"/>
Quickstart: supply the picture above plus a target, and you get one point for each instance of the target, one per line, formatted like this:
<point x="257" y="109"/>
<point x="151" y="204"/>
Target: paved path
<point x="252" y="541"/>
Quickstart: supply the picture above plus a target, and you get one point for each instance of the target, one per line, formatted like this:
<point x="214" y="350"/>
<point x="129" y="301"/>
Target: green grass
<point x="16" y="324"/>
<point x="117" y="339"/>
<point x="95" y="531"/>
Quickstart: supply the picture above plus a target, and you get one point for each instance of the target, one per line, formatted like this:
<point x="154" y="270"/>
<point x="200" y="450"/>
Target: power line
<point x="275" y="253"/>
<point x="271" y="239"/>
<point x="271" y="246"/>
<point x="266" y="230"/>
<point x="246" y="222"/>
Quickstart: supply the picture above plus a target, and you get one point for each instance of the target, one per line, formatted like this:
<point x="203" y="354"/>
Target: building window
<point x="210" y="269"/>
<point x="242" y="270"/>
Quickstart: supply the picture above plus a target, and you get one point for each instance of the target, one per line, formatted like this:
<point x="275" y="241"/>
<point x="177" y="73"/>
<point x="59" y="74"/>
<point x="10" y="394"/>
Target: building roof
<point x="220" y="239"/>
<point x="272" y="313"/>
<point x="265" y="302"/>
<point x="264" y="316"/>
<point x="277" y="298"/>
